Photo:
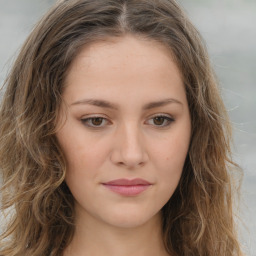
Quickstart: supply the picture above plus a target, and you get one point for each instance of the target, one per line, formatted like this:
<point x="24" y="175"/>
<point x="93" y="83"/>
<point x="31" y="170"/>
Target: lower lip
<point x="131" y="190"/>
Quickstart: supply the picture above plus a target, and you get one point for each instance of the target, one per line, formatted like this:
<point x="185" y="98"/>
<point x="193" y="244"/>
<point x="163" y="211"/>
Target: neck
<point x="98" y="239"/>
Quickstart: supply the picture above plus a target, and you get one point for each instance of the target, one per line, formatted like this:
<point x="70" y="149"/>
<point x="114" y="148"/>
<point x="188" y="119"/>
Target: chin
<point x="130" y="219"/>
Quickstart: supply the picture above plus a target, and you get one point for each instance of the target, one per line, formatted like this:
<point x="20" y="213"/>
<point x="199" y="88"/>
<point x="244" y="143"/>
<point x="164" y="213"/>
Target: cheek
<point x="83" y="167"/>
<point x="81" y="150"/>
<point x="171" y="154"/>
<point x="169" y="174"/>
<point x="169" y="158"/>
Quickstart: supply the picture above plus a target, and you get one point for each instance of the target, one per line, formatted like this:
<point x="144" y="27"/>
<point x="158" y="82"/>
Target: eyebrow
<point x="106" y="104"/>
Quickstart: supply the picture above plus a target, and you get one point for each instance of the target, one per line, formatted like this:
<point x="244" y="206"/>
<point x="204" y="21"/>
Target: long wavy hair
<point x="199" y="217"/>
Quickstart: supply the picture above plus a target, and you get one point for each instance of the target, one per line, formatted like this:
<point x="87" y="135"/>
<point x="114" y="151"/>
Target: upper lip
<point x="127" y="182"/>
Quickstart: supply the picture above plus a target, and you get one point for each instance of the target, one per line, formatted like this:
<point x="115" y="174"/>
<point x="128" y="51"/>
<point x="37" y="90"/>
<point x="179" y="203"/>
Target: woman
<point x="114" y="139"/>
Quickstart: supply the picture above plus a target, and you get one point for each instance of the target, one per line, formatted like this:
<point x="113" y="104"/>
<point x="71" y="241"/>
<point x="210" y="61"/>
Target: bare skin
<point x="116" y="130"/>
<point x="104" y="240"/>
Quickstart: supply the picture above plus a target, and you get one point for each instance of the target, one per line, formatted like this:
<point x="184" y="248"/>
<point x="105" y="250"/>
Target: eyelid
<point x="162" y="115"/>
<point x="85" y="119"/>
<point x="167" y="117"/>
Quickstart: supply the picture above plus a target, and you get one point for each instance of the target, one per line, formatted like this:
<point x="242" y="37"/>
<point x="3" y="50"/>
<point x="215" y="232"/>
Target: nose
<point x="129" y="149"/>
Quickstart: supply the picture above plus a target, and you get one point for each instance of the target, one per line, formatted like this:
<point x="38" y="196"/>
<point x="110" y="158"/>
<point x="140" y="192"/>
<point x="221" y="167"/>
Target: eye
<point x="100" y="122"/>
<point x="161" y="120"/>
<point x="94" y="122"/>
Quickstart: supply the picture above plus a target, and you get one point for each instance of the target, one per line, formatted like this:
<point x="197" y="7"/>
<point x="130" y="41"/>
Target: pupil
<point x="97" y="121"/>
<point x="159" y="120"/>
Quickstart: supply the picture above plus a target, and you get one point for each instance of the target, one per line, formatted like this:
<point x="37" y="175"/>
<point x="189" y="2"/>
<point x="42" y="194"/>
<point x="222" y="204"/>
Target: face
<point x="126" y="133"/>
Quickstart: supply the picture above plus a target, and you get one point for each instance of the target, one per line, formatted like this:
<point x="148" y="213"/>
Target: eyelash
<point x="167" y="119"/>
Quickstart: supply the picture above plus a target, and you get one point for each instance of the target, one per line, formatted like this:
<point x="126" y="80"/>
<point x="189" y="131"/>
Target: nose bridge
<point x="129" y="147"/>
<point x="131" y="138"/>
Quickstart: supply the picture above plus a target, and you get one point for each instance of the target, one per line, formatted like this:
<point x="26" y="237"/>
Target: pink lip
<point x="127" y="187"/>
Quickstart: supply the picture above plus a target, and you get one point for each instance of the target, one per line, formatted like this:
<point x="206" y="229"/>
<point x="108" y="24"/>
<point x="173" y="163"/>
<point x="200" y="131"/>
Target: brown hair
<point x="198" y="219"/>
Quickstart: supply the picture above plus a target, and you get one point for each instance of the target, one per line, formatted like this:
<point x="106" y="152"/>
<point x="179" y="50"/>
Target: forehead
<point x="120" y="52"/>
<point x="130" y="64"/>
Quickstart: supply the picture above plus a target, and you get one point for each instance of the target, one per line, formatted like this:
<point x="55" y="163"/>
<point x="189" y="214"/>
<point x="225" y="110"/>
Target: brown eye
<point x="97" y="121"/>
<point x="161" y="121"/>
<point x="94" y="122"/>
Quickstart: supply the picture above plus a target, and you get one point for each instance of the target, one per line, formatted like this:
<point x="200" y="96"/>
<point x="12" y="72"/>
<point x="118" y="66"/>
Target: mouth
<point x="128" y="187"/>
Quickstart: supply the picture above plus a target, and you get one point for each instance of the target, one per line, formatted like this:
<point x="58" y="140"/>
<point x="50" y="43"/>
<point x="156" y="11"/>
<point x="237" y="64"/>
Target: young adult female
<point x="114" y="139"/>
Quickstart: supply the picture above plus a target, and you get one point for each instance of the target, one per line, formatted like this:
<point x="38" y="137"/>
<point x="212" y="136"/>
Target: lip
<point x="127" y="187"/>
